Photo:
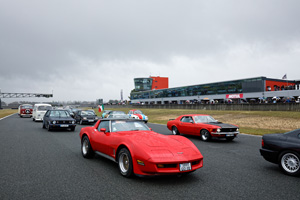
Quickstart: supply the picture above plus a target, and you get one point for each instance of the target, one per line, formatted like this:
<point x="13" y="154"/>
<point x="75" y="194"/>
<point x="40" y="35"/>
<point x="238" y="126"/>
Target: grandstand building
<point x="258" y="89"/>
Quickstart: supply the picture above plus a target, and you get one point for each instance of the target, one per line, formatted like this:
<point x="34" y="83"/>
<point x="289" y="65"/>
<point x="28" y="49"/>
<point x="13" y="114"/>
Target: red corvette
<point x="138" y="150"/>
<point x="203" y="125"/>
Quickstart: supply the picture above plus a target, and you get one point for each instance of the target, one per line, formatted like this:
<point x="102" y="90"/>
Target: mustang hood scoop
<point x="222" y="125"/>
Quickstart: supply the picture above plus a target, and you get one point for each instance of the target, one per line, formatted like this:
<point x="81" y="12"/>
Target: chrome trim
<point x="105" y="156"/>
<point x="225" y="133"/>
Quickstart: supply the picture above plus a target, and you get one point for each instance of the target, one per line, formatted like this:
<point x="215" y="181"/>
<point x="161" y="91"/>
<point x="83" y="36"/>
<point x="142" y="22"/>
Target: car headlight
<point x="54" y="122"/>
<point x="96" y="118"/>
<point x="84" y="118"/>
<point x="218" y="130"/>
<point x="237" y="129"/>
<point x="73" y="122"/>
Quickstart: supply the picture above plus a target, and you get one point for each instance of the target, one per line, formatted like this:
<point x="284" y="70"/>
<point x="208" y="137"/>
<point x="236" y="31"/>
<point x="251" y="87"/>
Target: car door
<point x="186" y="125"/>
<point x="100" y="140"/>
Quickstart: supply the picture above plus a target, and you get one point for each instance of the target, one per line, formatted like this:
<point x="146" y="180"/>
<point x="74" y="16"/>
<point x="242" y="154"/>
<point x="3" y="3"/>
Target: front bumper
<point x="89" y="120"/>
<point x="62" y="126"/>
<point x="225" y="134"/>
<point x="151" y="168"/>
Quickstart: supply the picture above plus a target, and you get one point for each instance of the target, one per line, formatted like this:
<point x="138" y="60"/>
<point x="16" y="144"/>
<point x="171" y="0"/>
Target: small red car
<point x="138" y="150"/>
<point x="203" y="125"/>
<point x="137" y="114"/>
<point x="25" y="110"/>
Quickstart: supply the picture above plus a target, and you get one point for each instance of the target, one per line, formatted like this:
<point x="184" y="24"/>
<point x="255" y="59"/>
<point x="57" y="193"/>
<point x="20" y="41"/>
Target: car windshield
<point x="44" y="107"/>
<point x="204" y="119"/>
<point x="128" y="126"/>
<point x="59" y="113"/>
<point x="118" y="116"/>
<point x="87" y="112"/>
<point x="26" y="107"/>
<point x="137" y="112"/>
<point x="117" y="112"/>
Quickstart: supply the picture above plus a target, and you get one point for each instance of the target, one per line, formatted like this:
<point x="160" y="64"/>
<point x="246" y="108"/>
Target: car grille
<point x="64" y="122"/>
<point x="228" y="129"/>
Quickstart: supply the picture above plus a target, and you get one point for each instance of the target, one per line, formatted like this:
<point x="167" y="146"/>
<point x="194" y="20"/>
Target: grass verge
<point x="250" y="122"/>
<point x="6" y="112"/>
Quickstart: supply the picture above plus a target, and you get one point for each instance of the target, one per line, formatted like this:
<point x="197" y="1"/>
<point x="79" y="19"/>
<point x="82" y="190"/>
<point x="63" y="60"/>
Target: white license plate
<point x="228" y="135"/>
<point x="91" y="120"/>
<point x="64" y="125"/>
<point x="185" y="166"/>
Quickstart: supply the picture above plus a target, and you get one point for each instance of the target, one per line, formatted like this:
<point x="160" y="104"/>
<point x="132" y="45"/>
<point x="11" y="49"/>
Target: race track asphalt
<point x="37" y="164"/>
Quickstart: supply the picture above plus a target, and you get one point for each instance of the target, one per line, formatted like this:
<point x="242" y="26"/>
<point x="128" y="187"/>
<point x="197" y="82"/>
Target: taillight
<point x="262" y="143"/>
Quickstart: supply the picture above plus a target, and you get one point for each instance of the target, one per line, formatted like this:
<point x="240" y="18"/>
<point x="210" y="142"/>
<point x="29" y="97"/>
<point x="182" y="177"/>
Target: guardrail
<point x="247" y="107"/>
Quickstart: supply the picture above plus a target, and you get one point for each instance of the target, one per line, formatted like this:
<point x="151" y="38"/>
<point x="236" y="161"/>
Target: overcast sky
<point x="90" y="49"/>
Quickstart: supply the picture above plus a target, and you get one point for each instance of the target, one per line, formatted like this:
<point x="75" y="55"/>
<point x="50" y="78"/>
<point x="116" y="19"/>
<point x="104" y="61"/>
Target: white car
<point x="39" y="111"/>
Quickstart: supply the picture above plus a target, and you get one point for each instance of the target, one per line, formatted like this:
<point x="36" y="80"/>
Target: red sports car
<point x="203" y="125"/>
<point x="138" y="150"/>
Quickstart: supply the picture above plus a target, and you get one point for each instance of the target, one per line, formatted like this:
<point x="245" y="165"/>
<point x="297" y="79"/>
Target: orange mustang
<point x="203" y="125"/>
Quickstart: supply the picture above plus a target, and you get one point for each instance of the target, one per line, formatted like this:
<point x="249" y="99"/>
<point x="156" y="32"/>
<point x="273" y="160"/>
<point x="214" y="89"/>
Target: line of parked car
<point x="131" y="147"/>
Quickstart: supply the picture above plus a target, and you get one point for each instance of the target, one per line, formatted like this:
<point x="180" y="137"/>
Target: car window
<point x="128" y="126"/>
<point x="59" y="113"/>
<point x="44" y="107"/>
<point x="186" y="119"/>
<point x="299" y="136"/>
<point x="204" y="119"/>
<point x="138" y="112"/>
<point x="104" y="124"/>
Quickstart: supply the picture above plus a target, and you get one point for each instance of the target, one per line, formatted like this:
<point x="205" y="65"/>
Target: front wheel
<point x="205" y="135"/>
<point x="175" y="131"/>
<point x="290" y="163"/>
<point x="48" y="126"/>
<point x="125" y="163"/>
<point x="86" y="148"/>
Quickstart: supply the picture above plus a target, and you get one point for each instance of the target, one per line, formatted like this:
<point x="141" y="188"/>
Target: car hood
<point x="222" y="125"/>
<point x="165" y="147"/>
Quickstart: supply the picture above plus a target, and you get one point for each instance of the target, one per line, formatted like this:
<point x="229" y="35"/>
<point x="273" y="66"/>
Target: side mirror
<point x="103" y="130"/>
<point x="150" y="129"/>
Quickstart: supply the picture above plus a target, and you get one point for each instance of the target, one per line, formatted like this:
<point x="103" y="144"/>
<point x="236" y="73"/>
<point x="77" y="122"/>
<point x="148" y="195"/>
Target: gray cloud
<point x="85" y="50"/>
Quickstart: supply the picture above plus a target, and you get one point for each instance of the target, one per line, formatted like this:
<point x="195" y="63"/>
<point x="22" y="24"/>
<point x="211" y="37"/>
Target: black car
<point x="85" y="116"/>
<point x="58" y="119"/>
<point x="283" y="149"/>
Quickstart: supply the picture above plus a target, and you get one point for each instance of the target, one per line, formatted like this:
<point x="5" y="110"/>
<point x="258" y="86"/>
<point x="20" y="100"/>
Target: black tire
<point x="44" y="125"/>
<point x="125" y="163"/>
<point x="48" y="126"/>
<point x="72" y="128"/>
<point x="33" y="119"/>
<point x="86" y="148"/>
<point x="230" y="138"/>
<point x="289" y="163"/>
<point x="205" y="135"/>
<point x="175" y="131"/>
